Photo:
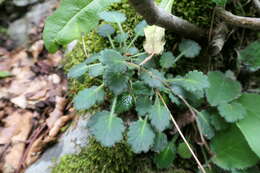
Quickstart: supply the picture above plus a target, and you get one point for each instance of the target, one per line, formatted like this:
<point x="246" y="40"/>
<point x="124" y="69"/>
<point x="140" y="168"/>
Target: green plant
<point x="142" y="85"/>
<point x="143" y="89"/>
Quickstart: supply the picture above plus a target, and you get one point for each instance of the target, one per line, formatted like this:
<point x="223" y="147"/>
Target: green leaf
<point x="217" y="121"/>
<point x="250" y="125"/>
<point x="222" y="89"/>
<point x="153" y="78"/>
<point x="232" y="150"/>
<point x="4" y="74"/>
<point x="165" y="158"/>
<point x="167" y="60"/>
<point x="114" y="60"/>
<point x="122" y="37"/>
<point x="72" y="19"/>
<point x="77" y="70"/>
<point x="96" y="70"/>
<point x="132" y="50"/>
<point x="125" y="103"/>
<point x="139" y="28"/>
<point x="140" y="136"/>
<point x="203" y="121"/>
<point x="159" y="115"/>
<point x="189" y="48"/>
<point x="140" y="88"/>
<point x="192" y="81"/>
<point x="160" y="142"/>
<point x="112" y="16"/>
<point x="94" y="118"/>
<point x="250" y="56"/>
<point x="108" y="129"/>
<point x="184" y="151"/>
<point x="143" y="105"/>
<point x="116" y="82"/>
<point x="232" y="112"/>
<point x="89" y="97"/>
<point x="105" y="30"/>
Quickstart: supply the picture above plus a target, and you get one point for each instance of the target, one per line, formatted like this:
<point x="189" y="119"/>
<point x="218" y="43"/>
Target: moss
<point x="196" y="11"/>
<point x="95" y="159"/>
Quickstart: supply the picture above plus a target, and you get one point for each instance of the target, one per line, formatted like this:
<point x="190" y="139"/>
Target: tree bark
<point x="238" y="21"/>
<point x="158" y="16"/>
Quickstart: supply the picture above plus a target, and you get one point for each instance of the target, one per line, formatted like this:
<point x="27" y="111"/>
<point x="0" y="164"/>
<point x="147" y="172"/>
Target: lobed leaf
<point x="189" y="48"/>
<point x="232" y="112"/>
<point x="143" y="105"/>
<point x="96" y="70"/>
<point x="139" y="28"/>
<point x="222" y="89"/>
<point x="203" y="122"/>
<point x="112" y="16"/>
<point x="125" y="103"/>
<point x="159" y="115"/>
<point x="114" y="60"/>
<point x="167" y="60"/>
<point x="250" y="56"/>
<point x="115" y="81"/>
<point x="140" y="88"/>
<point x="153" y="78"/>
<point x="122" y="37"/>
<point x="160" y="142"/>
<point x="165" y="158"/>
<point x="107" y="129"/>
<point x="88" y="97"/>
<point x="105" y="30"/>
<point x="140" y="136"/>
<point x="192" y="81"/>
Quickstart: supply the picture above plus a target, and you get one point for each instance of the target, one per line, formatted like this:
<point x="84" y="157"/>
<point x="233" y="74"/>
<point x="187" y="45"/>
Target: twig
<point x="147" y="59"/>
<point x="158" y="16"/>
<point x="238" y="21"/>
<point x="182" y="136"/>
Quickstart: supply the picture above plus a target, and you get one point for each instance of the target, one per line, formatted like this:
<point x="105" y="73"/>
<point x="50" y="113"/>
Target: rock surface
<point x="71" y="142"/>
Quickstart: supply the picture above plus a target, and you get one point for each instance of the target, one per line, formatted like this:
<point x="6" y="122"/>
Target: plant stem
<point x="111" y="41"/>
<point x="84" y="47"/>
<point x="182" y="136"/>
<point x="122" y="31"/>
<point x="132" y="42"/>
<point x="147" y="59"/>
<point x="138" y="54"/>
<point x="178" y="57"/>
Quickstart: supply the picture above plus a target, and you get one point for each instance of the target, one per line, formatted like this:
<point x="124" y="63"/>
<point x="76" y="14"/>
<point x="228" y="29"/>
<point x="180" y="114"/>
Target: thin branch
<point x="158" y="16"/>
<point x="238" y="21"/>
<point x="257" y="5"/>
<point x="182" y="136"/>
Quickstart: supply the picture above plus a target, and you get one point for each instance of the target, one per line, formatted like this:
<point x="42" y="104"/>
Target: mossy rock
<point x="95" y="159"/>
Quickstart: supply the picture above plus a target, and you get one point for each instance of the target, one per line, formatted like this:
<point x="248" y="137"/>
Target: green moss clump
<point x="196" y="11"/>
<point x="96" y="159"/>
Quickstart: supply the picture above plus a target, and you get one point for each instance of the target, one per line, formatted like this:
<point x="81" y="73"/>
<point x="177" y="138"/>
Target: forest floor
<point x="33" y="103"/>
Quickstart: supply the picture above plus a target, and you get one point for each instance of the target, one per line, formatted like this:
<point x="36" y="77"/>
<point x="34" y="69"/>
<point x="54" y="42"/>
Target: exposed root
<point x="238" y="21"/>
<point x="218" y="40"/>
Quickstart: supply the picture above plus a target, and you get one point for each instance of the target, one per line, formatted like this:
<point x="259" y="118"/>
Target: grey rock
<point x="19" y="29"/>
<point x="70" y="143"/>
